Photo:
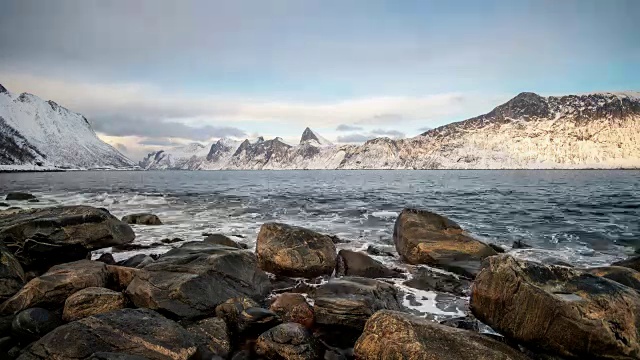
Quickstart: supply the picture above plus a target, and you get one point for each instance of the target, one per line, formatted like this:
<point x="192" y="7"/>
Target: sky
<point x="151" y="74"/>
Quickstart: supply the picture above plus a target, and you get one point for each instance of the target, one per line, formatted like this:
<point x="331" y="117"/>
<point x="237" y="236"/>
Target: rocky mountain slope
<point x="600" y="130"/>
<point x="38" y="132"/>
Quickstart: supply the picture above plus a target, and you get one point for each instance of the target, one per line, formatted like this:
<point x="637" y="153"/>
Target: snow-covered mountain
<point x="599" y="130"/>
<point x="38" y="132"/>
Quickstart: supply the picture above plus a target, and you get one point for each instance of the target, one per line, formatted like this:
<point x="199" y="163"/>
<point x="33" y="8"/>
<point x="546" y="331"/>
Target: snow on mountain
<point x="598" y="130"/>
<point x="35" y="131"/>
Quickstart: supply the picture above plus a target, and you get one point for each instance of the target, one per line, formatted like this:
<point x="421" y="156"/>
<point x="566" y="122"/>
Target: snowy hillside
<point x="35" y="131"/>
<point x="599" y="130"/>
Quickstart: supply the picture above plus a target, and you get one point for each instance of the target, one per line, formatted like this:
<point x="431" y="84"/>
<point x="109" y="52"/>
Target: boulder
<point x="115" y="356"/>
<point x="137" y="261"/>
<point x="244" y="316"/>
<point x="619" y="274"/>
<point x="142" y="219"/>
<point x="31" y="324"/>
<point x="632" y="263"/>
<point x="40" y="238"/>
<point x="343" y="305"/>
<point x="294" y="251"/>
<point x="5" y="324"/>
<point x="12" y="276"/>
<point x="91" y="301"/>
<point x="190" y="281"/>
<point x="224" y="240"/>
<point x="380" y="250"/>
<point x="396" y="335"/>
<point x="558" y="310"/>
<point x="429" y="280"/>
<point x="19" y="196"/>
<point x="288" y="341"/>
<point x="120" y="277"/>
<point x="212" y="333"/>
<point x="51" y="289"/>
<point x="355" y="263"/>
<point x="135" y="332"/>
<point x="422" y="237"/>
<point x="107" y="258"/>
<point x="292" y="307"/>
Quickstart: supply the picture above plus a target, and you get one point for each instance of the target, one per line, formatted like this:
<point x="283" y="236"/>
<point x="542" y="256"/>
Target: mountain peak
<point x="310" y="137"/>
<point x="3" y="90"/>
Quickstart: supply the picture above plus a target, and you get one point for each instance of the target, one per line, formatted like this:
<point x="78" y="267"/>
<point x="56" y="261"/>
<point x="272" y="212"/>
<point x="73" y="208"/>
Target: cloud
<point x="345" y="127"/>
<point x="392" y="133"/>
<point x="424" y="129"/>
<point x="354" y="138"/>
<point x="121" y="147"/>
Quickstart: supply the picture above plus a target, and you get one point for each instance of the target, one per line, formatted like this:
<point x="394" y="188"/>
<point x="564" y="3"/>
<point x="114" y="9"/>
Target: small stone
<point x="142" y="219"/>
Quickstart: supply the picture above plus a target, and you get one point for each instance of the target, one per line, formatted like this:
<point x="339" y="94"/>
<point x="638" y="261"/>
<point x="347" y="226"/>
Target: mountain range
<point x="598" y="130"/>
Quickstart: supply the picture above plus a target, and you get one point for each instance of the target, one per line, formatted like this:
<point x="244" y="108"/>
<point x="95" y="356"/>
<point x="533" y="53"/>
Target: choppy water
<point x="587" y="218"/>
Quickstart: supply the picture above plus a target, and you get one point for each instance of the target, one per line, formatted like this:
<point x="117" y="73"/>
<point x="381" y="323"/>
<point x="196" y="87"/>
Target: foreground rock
<point x="137" y="332"/>
<point x="290" y="341"/>
<point x="19" y="196"/>
<point x="11" y="274"/>
<point x="32" y="324"/>
<point x="190" y="281"/>
<point x="41" y="238"/>
<point x="422" y="237"/>
<point x="619" y="274"/>
<point x="396" y="335"/>
<point x="429" y="280"/>
<point x="355" y="263"/>
<point x="212" y="333"/>
<point x="558" y="309"/>
<point x="292" y="307"/>
<point x="91" y="301"/>
<point x="345" y="304"/>
<point x="295" y="251"/>
<point x="51" y="289"/>
<point x="142" y="219"/>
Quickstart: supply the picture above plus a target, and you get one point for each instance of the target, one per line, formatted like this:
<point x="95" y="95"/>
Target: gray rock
<point x="31" y="324"/>
<point x="19" y="196"/>
<point x="142" y="219"/>
<point x="354" y="263"/>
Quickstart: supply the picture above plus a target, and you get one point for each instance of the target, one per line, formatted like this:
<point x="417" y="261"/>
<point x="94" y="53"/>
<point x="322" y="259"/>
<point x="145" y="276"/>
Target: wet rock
<point x="465" y="323"/>
<point x="12" y="277"/>
<point x="243" y="315"/>
<point x="423" y="237"/>
<point x="137" y="261"/>
<point x="497" y="248"/>
<point x="107" y="258"/>
<point x="619" y="274"/>
<point x="295" y="251"/>
<point x="142" y="219"/>
<point x="136" y="332"/>
<point x="212" y="333"/>
<point x="631" y="263"/>
<point x="343" y="305"/>
<point x="190" y="281"/>
<point x="91" y="301"/>
<point x="224" y="240"/>
<point x="354" y="263"/>
<point x="396" y="335"/>
<point x="557" y="309"/>
<point x="429" y="280"/>
<point x="170" y="241"/>
<point x="288" y="341"/>
<point x="51" y="289"/>
<point x="380" y="251"/>
<point x="519" y="244"/>
<point x="40" y="238"/>
<point x="19" y="196"/>
<point x="31" y="324"/>
<point x="120" y="277"/>
<point x="294" y="308"/>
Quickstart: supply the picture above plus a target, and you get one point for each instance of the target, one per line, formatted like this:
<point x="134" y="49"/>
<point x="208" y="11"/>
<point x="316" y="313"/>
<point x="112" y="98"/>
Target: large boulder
<point x="91" y="301"/>
<point x="623" y="275"/>
<point x="140" y="332"/>
<point x="355" y="263"/>
<point x="142" y="219"/>
<point x="31" y="324"/>
<point x="11" y="274"/>
<point x="292" y="307"/>
<point x="288" y="341"/>
<point x="190" y="281"/>
<point x="294" y="251"/>
<point x="558" y="309"/>
<point x="396" y="335"/>
<point x="422" y="237"/>
<point x="40" y="238"/>
<point x="51" y="289"/>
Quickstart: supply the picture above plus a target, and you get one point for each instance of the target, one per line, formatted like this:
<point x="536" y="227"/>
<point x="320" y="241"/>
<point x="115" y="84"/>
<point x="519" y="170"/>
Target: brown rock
<point x="422" y="237"/>
<point x="292" y="307"/>
<point x="12" y="277"/>
<point x="631" y="263"/>
<point x="619" y="274"/>
<point x="295" y="251"/>
<point x="91" y="301"/>
<point x="142" y="219"/>
<point x="396" y="335"/>
<point x="289" y="341"/>
<point x="120" y="277"/>
<point x="355" y="263"/>
<point x="51" y="289"/>
<point x="557" y="309"/>
<point x="243" y="316"/>
<point x="213" y="334"/>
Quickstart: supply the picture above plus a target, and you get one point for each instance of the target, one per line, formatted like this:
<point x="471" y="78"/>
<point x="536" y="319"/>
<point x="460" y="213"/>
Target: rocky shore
<point x="295" y="296"/>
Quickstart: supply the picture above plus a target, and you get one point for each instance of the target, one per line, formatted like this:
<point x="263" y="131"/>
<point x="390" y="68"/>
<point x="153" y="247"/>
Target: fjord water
<point x="586" y="218"/>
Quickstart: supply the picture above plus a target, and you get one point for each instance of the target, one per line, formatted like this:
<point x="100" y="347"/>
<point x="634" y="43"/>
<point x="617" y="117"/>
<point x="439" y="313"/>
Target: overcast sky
<point x="149" y="74"/>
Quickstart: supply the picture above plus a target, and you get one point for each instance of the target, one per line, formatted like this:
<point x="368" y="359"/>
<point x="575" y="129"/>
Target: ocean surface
<point x="585" y="218"/>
